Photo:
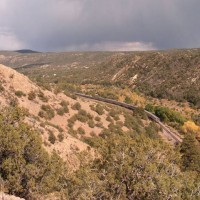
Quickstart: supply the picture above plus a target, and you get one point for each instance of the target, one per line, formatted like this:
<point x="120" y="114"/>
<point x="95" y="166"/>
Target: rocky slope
<point x="4" y="196"/>
<point x="14" y="83"/>
<point x="63" y="121"/>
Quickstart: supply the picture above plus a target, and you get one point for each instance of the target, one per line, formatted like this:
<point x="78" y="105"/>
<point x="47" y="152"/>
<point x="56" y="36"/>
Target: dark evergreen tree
<point x="25" y="167"/>
<point x="190" y="150"/>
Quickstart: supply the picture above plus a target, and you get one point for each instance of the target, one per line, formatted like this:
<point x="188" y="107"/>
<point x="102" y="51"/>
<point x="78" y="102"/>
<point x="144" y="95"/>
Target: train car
<point x="152" y="116"/>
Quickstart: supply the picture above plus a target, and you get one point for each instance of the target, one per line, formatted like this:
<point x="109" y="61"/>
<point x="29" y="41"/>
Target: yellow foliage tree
<point x="191" y="127"/>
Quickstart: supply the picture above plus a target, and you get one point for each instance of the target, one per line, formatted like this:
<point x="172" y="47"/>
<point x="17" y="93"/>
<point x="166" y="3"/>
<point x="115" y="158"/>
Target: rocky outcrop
<point x="4" y="196"/>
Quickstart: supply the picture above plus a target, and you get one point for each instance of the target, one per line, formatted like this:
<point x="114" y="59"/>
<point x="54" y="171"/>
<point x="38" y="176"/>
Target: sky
<point x="99" y="25"/>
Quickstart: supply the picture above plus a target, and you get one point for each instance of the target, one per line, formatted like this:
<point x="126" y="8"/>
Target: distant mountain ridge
<point x="26" y="51"/>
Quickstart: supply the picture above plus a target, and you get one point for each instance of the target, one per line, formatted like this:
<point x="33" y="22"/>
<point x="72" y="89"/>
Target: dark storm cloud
<point x="51" y="25"/>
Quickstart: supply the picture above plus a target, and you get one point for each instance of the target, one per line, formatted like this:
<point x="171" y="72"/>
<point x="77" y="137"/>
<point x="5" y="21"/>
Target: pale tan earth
<point x="4" y="196"/>
<point x="13" y="81"/>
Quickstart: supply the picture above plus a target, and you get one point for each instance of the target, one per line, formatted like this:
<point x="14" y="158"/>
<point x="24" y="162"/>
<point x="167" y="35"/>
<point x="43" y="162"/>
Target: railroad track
<point x="167" y="133"/>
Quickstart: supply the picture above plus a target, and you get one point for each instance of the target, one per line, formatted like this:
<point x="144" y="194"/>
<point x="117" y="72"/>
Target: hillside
<point x="26" y="51"/>
<point x="62" y="119"/>
<point x="55" y="145"/>
<point x="171" y="74"/>
<point x="18" y="89"/>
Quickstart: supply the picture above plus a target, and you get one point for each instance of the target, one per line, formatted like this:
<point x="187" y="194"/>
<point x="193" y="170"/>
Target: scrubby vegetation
<point x="83" y="117"/>
<point x="63" y="109"/>
<point x="98" y="109"/>
<point x="60" y="137"/>
<point x="31" y="95"/>
<point x="42" y="97"/>
<point x="91" y="123"/>
<point x="19" y="93"/>
<point x="190" y="150"/>
<point x="25" y="167"/>
<point x="81" y="131"/>
<point x="97" y="118"/>
<point x="46" y="112"/>
<point x="177" y="70"/>
<point x="52" y="137"/>
<point x="131" y="164"/>
<point x="134" y="166"/>
<point x="166" y="114"/>
<point x="76" y="106"/>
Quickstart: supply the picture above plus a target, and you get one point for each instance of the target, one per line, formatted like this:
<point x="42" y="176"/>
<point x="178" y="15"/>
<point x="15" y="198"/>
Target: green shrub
<point x="60" y="137"/>
<point x="42" y="97"/>
<point x="98" y="109"/>
<point x="47" y="112"/>
<point x="73" y="132"/>
<point x="196" y="119"/>
<point x="52" y="137"/>
<point x="91" y="124"/>
<point x="13" y="102"/>
<point x="41" y="114"/>
<point x="97" y="118"/>
<point x="69" y="94"/>
<point x="76" y="106"/>
<point x="19" y="93"/>
<point x="116" y="117"/>
<point x="190" y="150"/>
<point x="165" y="114"/>
<point x="60" y="111"/>
<point x="128" y="100"/>
<point x="82" y="112"/>
<point x="81" y="118"/>
<point x="55" y="126"/>
<point x="45" y="107"/>
<point x="120" y="123"/>
<point x="140" y="113"/>
<point x="109" y="119"/>
<point x="150" y="108"/>
<point x="132" y="122"/>
<point x="64" y="103"/>
<point x="64" y="109"/>
<point x="71" y="121"/>
<point x="31" y="95"/>
<point x="92" y="134"/>
<point x="114" y="113"/>
<point x="152" y="130"/>
<point x="81" y="131"/>
<point x="99" y="124"/>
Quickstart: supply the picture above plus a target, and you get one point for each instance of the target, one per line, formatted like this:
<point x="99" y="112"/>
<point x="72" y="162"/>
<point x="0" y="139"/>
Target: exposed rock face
<point x="4" y="196"/>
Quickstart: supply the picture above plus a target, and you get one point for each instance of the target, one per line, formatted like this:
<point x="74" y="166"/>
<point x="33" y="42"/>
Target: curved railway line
<point x="167" y="133"/>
